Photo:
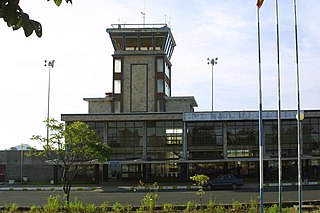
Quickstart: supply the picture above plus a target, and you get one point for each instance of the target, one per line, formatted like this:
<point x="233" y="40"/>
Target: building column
<point x="144" y="142"/>
<point x="225" y="140"/>
<point x="184" y="166"/>
<point x="185" y="142"/>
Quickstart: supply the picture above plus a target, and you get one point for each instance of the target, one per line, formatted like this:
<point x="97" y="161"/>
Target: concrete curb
<point x="311" y="183"/>
<point x="44" y="189"/>
<point x="139" y="188"/>
<point x="189" y="187"/>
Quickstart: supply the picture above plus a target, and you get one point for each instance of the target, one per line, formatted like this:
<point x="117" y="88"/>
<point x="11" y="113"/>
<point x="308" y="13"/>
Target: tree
<point x="12" y="13"/>
<point x="70" y="147"/>
<point x="200" y="181"/>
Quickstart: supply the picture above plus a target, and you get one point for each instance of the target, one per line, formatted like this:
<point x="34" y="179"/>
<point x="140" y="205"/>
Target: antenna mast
<point x="144" y="13"/>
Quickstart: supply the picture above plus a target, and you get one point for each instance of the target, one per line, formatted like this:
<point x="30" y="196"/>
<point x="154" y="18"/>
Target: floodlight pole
<point x="50" y="64"/>
<point x="21" y="163"/>
<point x="279" y="110"/>
<point x="212" y="62"/>
<point x="299" y="115"/>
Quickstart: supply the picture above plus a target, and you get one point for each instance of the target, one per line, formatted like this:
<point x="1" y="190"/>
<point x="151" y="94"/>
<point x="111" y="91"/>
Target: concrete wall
<point x="180" y="104"/>
<point x="32" y="167"/>
<point x="99" y="105"/>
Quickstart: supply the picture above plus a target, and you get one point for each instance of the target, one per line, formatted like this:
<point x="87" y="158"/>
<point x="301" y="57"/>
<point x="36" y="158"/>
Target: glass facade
<point x="125" y="140"/>
<point x="98" y="127"/>
<point x="205" y="140"/>
<point x="164" y="140"/>
<point x="311" y="136"/>
<point x="242" y="139"/>
<point x="153" y="150"/>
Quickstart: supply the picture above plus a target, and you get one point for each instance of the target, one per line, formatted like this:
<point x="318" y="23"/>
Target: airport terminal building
<point x="156" y="137"/>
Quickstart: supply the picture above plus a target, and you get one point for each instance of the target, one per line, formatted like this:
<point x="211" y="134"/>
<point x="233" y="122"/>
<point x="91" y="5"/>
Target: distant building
<point x="155" y="137"/>
<point x="17" y="166"/>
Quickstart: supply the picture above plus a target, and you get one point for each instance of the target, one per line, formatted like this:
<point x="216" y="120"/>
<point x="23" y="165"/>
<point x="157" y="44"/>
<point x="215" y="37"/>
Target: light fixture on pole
<point x="21" y="163"/>
<point x="50" y="64"/>
<point x="212" y="62"/>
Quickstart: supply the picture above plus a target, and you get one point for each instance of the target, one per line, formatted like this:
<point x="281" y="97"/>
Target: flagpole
<point x="279" y="109"/>
<point x="298" y="106"/>
<point x="260" y="116"/>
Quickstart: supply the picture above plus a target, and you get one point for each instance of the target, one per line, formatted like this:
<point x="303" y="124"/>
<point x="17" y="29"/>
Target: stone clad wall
<point x="99" y="105"/>
<point x="128" y="82"/>
<point x="178" y="105"/>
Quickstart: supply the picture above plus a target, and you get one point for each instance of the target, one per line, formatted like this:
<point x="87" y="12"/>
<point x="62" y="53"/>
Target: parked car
<point x="224" y="181"/>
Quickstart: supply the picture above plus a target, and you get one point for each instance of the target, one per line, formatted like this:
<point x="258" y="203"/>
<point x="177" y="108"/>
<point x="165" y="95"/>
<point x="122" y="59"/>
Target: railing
<point x="119" y="26"/>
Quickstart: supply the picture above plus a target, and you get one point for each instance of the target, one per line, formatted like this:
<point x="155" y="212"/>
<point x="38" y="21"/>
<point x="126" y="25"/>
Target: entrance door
<point x="2" y="173"/>
<point x="114" y="171"/>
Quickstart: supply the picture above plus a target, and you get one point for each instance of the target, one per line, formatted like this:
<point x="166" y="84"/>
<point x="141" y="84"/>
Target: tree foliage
<point x="200" y="181"/>
<point x="69" y="147"/>
<point x="12" y="13"/>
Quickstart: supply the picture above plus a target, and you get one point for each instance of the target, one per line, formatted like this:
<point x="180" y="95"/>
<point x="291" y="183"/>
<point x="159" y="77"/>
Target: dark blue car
<point x="224" y="181"/>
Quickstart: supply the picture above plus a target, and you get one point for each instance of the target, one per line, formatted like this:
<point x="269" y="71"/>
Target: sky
<point x="75" y="37"/>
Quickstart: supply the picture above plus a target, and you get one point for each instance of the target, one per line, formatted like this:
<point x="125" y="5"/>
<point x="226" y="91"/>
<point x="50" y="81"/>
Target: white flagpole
<point x="298" y="106"/>
<point x="260" y="117"/>
<point x="279" y="109"/>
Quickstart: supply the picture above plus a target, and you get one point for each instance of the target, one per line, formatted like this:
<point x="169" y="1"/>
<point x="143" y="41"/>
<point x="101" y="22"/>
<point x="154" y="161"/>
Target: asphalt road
<point x="176" y="197"/>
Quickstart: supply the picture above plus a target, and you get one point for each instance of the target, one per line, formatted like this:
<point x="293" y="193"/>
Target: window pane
<point x="160" y="65"/>
<point x="117" y="86"/>
<point x="167" y="89"/>
<point x="160" y="86"/>
<point x="117" y="65"/>
<point x="167" y="71"/>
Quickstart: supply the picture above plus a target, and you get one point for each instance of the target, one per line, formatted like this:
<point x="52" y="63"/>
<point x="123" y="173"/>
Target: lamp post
<point x="50" y="64"/>
<point x="21" y="163"/>
<point x="300" y="115"/>
<point x="212" y="62"/>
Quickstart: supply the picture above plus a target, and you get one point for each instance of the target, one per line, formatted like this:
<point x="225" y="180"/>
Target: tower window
<point x="117" y="65"/>
<point x="160" y="86"/>
<point x="117" y="86"/>
<point x="167" y="89"/>
<point x="167" y="71"/>
<point x="160" y="65"/>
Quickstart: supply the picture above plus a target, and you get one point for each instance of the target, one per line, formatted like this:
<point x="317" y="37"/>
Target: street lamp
<point x="212" y="62"/>
<point x="21" y="163"/>
<point x="50" y="64"/>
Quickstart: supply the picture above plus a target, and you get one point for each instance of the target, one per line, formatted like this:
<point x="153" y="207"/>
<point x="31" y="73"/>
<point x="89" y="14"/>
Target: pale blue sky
<point x="75" y="36"/>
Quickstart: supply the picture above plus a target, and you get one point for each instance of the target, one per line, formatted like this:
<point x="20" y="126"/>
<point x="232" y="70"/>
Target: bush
<point x="104" y="207"/>
<point x="128" y="208"/>
<point x="190" y="206"/>
<point x="273" y="209"/>
<point x="14" y="207"/>
<point x="35" y="209"/>
<point x="53" y="204"/>
<point x="167" y="207"/>
<point x="76" y="206"/>
<point x="237" y="206"/>
<point x="118" y="207"/>
<point x="149" y="201"/>
<point x="210" y="206"/>
<point x="91" y="208"/>
<point x="219" y="209"/>
<point x="253" y="206"/>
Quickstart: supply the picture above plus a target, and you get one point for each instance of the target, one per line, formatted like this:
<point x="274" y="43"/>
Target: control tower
<point x="141" y="67"/>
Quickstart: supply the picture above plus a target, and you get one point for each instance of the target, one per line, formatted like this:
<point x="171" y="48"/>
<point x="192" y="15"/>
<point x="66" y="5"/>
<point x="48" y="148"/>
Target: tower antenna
<point x="144" y="13"/>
